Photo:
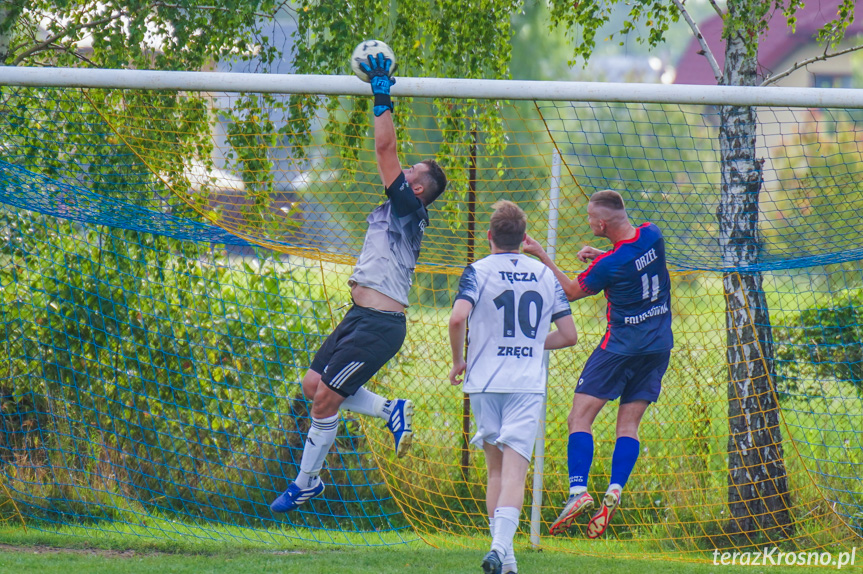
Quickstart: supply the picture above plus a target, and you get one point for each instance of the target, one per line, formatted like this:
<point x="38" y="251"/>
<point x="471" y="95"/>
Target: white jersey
<point x="515" y="299"/>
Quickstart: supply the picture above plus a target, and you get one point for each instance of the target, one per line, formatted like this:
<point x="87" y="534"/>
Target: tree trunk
<point x="757" y="481"/>
<point x="8" y="15"/>
<point x="758" y="496"/>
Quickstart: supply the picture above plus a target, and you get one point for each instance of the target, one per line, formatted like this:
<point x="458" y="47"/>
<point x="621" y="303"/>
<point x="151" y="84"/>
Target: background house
<point x="790" y="140"/>
<point x="780" y="49"/>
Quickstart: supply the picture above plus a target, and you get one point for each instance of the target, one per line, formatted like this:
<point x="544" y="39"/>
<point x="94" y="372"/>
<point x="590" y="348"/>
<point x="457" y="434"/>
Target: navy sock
<point x="580" y="457"/>
<point x="623" y="460"/>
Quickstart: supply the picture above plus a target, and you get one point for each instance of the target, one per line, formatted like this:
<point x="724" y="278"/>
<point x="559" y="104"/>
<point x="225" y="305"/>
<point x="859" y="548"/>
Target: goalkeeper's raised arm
<point x="386" y="152"/>
<point x="425" y="181"/>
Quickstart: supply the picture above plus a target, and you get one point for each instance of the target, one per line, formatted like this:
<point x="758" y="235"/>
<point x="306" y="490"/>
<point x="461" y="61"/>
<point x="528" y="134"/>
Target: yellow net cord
<point x="298" y="177"/>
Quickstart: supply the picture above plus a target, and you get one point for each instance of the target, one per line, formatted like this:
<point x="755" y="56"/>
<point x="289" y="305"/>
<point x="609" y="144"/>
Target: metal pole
<point x="539" y="449"/>
<point x="434" y="87"/>
<point x="471" y="233"/>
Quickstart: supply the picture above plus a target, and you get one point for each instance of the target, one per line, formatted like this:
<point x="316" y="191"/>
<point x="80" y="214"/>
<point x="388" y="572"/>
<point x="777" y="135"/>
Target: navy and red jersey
<point x="638" y="289"/>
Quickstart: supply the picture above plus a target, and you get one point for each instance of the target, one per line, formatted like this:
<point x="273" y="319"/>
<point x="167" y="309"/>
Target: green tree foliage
<point x="158" y="331"/>
<point x="538" y="53"/>
<point x="647" y="20"/>
<point x="139" y="34"/>
<point x="823" y="342"/>
<point x="159" y="358"/>
<point x="185" y="36"/>
<point x="445" y="38"/>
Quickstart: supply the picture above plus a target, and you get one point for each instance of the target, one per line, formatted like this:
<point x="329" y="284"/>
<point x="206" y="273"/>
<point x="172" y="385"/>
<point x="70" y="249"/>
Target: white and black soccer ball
<point x="370" y="48"/>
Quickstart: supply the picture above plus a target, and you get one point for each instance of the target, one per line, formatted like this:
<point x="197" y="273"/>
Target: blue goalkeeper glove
<point x="378" y="71"/>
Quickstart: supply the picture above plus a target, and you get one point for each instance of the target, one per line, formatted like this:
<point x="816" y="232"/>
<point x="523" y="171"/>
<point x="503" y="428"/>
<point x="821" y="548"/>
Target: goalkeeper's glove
<point x="378" y="71"/>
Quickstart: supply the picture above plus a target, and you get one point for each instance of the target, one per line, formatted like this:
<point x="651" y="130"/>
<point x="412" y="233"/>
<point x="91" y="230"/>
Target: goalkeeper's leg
<point x="397" y="412"/>
<point x="354" y="362"/>
<point x="322" y="435"/>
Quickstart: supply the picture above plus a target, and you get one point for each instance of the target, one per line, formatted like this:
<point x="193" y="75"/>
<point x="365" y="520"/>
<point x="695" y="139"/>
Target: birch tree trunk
<point x="757" y="480"/>
<point x="8" y="15"/>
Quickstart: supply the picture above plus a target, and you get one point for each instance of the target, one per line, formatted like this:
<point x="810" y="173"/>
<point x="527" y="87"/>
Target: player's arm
<point x="389" y="166"/>
<point x="571" y="287"/>
<point x="386" y="153"/>
<point x="588" y="253"/>
<point x="565" y="336"/>
<point x="573" y="291"/>
<point x="457" y="330"/>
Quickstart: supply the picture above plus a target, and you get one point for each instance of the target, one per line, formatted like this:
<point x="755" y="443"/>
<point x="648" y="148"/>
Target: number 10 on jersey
<point x="506" y="301"/>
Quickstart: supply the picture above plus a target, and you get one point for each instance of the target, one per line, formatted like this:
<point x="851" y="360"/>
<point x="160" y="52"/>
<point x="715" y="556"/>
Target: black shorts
<point x="609" y="375"/>
<point x="357" y="349"/>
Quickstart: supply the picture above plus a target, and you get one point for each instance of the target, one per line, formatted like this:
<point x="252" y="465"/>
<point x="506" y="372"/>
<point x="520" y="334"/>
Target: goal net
<point x="172" y="258"/>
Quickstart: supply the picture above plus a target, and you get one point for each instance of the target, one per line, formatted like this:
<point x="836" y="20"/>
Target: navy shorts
<point x="631" y="377"/>
<point x="359" y="346"/>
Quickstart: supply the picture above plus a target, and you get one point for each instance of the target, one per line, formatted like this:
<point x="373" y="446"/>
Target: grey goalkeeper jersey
<point x="392" y="244"/>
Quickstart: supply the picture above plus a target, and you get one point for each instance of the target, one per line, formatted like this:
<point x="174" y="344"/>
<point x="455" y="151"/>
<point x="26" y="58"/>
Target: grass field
<point x="676" y="505"/>
<point x="46" y="553"/>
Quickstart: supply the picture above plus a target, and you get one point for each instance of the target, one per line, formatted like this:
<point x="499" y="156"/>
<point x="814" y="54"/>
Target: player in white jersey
<point x="509" y="301"/>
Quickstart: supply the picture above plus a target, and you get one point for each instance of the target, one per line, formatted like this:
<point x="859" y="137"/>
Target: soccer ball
<point x="370" y="48"/>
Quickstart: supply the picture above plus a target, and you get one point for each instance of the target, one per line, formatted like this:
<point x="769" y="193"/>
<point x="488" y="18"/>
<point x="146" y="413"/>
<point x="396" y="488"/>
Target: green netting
<point x="148" y="379"/>
<point x="171" y="261"/>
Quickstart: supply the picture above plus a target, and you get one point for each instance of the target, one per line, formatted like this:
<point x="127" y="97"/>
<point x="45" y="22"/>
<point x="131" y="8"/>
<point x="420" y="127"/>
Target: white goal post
<point x="434" y="87"/>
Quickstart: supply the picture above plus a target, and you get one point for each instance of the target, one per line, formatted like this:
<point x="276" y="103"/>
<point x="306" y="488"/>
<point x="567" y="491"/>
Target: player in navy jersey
<point x="632" y="356"/>
<point x="510" y="301"/>
<point x="373" y="330"/>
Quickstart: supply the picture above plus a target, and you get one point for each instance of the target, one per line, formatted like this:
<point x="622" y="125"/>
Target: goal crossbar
<point x="434" y="87"/>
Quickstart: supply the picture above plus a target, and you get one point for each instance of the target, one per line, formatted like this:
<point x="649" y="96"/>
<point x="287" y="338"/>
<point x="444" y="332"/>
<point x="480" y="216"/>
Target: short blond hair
<point x="508" y="224"/>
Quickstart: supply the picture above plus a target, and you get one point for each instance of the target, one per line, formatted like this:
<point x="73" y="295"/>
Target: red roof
<point x="775" y="46"/>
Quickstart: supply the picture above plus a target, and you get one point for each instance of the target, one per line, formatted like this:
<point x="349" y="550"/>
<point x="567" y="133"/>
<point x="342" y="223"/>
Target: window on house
<point x="831" y="81"/>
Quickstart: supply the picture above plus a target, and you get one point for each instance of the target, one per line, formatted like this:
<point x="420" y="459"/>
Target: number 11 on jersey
<point x="650" y="287"/>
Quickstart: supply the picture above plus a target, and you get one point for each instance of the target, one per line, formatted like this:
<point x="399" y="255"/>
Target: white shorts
<point x="509" y="419"/>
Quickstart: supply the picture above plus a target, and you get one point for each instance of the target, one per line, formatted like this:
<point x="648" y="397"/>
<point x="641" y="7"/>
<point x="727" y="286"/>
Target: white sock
<point x="305" y="480"/>
<point x="321" y="437"/>
<point x="509" y="559"/>
<point x="509" y="563"/>
<point x="365" y="402"/>
<point x="505" y="526"/>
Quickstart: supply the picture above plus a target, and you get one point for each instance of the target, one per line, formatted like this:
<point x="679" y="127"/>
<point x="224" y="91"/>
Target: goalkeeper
<point x="374" y="328"/>
<point x="632" y="357"/>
